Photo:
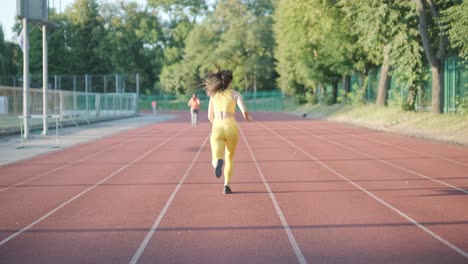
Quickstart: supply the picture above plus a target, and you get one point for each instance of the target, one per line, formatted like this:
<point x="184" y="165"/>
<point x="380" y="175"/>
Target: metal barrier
<point x="271" y="101"/>
<point x="56" y="117"/>
<point x="71" y="107"/>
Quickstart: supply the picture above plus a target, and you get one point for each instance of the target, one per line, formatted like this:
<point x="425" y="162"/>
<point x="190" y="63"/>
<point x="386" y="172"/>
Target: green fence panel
<point x="260" y="101"/>
<point x="456" y="87"/>
<point x="456" y="83"/>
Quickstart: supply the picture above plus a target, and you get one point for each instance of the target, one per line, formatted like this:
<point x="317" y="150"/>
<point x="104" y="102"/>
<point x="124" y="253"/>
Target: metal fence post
<point x="137" y="102"/>
<point x="86" y="96"/>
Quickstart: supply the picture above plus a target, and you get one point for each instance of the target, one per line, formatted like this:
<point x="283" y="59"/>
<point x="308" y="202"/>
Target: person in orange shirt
<point x="154" y="105"/>
<point x="224" y="131"/>
<point x="194" y="104"/>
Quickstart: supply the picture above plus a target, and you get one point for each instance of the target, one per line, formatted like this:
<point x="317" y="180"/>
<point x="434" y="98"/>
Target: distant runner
<point x="153" y="105"/>
<point x="194" y="104"/>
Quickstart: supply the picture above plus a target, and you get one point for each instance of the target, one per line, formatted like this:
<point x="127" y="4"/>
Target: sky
<point x="8" y="14"/>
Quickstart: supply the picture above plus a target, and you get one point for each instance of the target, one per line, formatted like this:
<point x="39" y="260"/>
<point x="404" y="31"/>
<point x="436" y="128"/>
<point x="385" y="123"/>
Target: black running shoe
<point x="219" y="168"/>
<point x="227" y="190"/>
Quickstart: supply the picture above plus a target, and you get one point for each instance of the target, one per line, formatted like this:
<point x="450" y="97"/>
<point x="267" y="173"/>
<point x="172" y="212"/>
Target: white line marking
<point x="425" y="229"/>
<point x="385" y="162"/>
<point x="4" y="241"/>
<point x="65" y="165"/>
<point x="411" y="150"/>
<point x="158" y="220"/>
<point x="287" y="229"/>
<point x="58" y="168"/>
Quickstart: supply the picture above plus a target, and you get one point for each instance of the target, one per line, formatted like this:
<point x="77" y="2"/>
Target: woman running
<point x="224" y="132"/>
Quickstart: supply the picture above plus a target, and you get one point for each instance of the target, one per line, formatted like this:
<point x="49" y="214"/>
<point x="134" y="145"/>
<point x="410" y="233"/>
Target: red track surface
<point x="304" y="191"/>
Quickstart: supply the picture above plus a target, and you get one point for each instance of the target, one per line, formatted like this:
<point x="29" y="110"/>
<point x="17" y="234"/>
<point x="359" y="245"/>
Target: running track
<point x="305" y="191"/>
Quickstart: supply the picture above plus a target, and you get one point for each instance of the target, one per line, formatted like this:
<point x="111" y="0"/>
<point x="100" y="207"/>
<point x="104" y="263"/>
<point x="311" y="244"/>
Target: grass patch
<point x="450" y="128"/>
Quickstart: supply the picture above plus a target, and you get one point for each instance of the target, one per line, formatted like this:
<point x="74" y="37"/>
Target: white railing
<point x="71" y="107"/>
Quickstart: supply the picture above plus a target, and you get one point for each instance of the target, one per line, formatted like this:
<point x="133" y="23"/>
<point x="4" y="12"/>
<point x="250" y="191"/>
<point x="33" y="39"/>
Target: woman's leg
<point x="232" y="137"/>
<point x="218" y="143"/>
<point x="192" y="115"/>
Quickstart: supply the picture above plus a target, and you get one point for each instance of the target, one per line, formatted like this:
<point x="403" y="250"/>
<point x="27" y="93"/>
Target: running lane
<point x="304" y="191"/>
<point x="202" y="225"/>
<point x="352" y="206"/>
<point x="100" y="207"/>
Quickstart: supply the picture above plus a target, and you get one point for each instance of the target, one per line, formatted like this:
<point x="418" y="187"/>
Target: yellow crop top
<point x="223" y="102"/>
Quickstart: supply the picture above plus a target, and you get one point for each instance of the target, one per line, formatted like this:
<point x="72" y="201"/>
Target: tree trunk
<point x="245" y="81"/>
<point x="435" y="60"/>
<point x="335" y="91"/>
<point x="384" y="79"/>
<point x="346" y="83"/>
<point x="437" y="72"/>
<point x="361" y="80"/>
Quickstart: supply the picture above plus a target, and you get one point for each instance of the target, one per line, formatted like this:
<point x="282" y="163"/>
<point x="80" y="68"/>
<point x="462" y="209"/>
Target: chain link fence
<point x="259" y="101"/>
<point x="75" y="98"/>
<point x="455" y="93"/>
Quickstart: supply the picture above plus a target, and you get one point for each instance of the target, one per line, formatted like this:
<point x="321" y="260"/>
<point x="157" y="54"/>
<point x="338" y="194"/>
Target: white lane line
<point x="411" y="150"/>
<point x="385" y="161"/>
<point x="416" y="223"/>
<point x="65" y="165"/>
<point x="158" y="220"/>
<point x="4" y="241"/>
<point x="58" y="168"/>
<point x="284" y="222"/>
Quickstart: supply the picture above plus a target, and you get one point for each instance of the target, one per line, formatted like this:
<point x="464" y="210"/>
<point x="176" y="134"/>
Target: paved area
<point x="12" y="148"/>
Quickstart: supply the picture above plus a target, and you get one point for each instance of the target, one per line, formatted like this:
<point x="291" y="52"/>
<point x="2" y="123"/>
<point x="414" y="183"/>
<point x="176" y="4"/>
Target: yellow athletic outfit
<point x="224" y="133"/>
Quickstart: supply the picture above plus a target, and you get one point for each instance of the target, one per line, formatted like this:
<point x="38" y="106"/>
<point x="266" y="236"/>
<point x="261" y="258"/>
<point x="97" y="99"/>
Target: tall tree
<point x="3" y="54"/>
<point x="245" y="42"/>
<point x="236" y="35"/>
<point x="382" y="29"/>
<point x="35" y="52"/>
<point x="84" y="38"/>
<point x="180" y="16"/>
<point x="435" y="49"/>
<point x="293" y="46"/>
<point x="457" y="21"/>
<point x="175" y="9"/>
<point x="59" y="53"/>
<point x="131" y="40"/>
<point x="312" y="46"/>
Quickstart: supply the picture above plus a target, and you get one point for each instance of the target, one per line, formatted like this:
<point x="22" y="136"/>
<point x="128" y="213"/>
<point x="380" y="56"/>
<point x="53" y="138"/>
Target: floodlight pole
<point x="44" y="79"/>
<point x="25" y="76"/>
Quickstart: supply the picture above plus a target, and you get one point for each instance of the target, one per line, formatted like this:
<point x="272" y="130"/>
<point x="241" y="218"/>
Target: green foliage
<point x="396" y="99"/>
<point x="393" y="23"/>
<point x="86" y="30"/>
<point x="180" y="9"/>
<point x="291" y="44"/>
<point x="410" y="104"/>
<point x="357" y="96"/>
<point x="327" y="99"/>
<point x="456" y="20"/>
<point x="311" y="98"/>
<point x="238" y="36"/>
<point x="299" y="99"/>
<point x="461" y="103"/>
<point x="342" y="96"/>
<point x="3" y="54"/>
<point x="9" y="54"/>
<point x="130" y="41"/>
<point x="312" y="44"/>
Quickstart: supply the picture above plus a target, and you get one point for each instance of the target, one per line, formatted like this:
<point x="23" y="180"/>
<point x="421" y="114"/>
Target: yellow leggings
<point x="224" y="138"/>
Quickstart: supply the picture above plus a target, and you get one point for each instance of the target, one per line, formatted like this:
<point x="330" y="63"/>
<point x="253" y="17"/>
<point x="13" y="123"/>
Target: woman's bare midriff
<point x="223" y="115"/>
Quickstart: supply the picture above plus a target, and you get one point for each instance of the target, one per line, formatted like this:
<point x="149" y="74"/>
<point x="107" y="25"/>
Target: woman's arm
<point x="210" y="111"/>
<point x="242" y="106"/>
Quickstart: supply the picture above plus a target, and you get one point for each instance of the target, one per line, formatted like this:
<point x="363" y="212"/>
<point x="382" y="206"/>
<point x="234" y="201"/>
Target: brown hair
<point x="218" y="81"/>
